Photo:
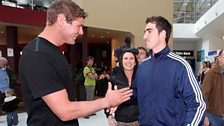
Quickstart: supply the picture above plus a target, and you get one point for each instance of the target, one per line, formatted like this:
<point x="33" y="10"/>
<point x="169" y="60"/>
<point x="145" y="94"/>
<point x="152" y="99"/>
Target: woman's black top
<point x="128" y="111"/>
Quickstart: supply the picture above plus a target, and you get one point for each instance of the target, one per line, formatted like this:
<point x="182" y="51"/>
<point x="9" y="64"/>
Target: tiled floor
<point x="98" y="120"/>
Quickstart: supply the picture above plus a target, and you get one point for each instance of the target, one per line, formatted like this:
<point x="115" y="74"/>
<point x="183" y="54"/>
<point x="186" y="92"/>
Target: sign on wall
<point x="10" y="52"/>
<point x="200" y="55"/>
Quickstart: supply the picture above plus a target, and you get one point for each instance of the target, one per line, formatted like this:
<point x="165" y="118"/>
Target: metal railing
<point x="189" y="11"/>
<point x="41" y="5"/>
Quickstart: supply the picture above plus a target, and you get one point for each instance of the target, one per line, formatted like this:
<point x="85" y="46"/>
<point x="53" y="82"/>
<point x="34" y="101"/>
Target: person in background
<point x="213" y="91"/>
<point x="203" y="71"/>
<point x="126" y="114"/>
<point x="10" y="106"/>
<point x="165" y="83"/>
<point x="7" y="78"/>
<point x="4" y="79"/>
<point x="209" y="65"/>
<point x="104" y="75"/>
<point x="117" y="53"/>
<point x="46" y="77"/>
<point x="10" y="73"/>
<point x="101" y="83"/>
<point x="90" y="79"/>
<point x="143" y="54"/>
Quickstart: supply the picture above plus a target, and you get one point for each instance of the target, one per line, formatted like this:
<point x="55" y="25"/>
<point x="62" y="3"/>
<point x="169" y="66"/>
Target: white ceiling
<point x="216" y="28"/>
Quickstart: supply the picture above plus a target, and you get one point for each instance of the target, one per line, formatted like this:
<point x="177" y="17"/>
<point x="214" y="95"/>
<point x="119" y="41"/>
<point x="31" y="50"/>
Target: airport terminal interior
<point x="198" y="35"/>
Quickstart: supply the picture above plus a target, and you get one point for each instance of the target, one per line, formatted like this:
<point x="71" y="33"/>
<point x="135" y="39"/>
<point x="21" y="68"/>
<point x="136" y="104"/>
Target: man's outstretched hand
<point x="116" y="97"/>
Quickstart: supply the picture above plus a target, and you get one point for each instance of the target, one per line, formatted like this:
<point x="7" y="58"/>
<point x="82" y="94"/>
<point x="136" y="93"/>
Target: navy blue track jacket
<point x="168" y="92"/>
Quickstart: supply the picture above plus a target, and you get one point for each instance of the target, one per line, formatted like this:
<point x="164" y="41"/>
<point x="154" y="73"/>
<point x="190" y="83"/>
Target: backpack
<point x="80" y="79"/>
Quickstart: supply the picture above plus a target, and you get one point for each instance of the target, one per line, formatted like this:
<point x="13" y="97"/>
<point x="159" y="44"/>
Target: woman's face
<point x="128" y="61"/>
<point x="204" y="65"/>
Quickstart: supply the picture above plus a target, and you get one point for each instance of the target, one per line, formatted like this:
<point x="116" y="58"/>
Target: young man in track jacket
<point x="166" y="86"/>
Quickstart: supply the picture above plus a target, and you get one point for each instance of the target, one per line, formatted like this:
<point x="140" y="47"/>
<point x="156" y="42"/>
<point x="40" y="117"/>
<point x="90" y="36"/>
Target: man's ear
<point x="61" y="19"/>
<point x="163" y="34"/>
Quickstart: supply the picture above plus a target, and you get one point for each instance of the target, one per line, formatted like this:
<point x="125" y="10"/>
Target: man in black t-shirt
<point x="45" y="76"/>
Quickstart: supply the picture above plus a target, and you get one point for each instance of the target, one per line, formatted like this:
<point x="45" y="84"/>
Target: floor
<point x="98" y="120"/>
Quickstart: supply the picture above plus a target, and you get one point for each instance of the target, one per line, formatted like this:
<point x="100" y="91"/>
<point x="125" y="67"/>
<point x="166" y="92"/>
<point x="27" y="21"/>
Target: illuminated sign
<point x="184" y="52"/>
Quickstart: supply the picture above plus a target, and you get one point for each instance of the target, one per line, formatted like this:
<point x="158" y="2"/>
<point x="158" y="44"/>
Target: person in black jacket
<point x="7" y="78"/>
<point x="126" y="114"/>
<point x="10" y="106"/>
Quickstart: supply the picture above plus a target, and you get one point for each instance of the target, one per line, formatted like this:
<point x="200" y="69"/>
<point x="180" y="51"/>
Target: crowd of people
<point x="149" y="86"/>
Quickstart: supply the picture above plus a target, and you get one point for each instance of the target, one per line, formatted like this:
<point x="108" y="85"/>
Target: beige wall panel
<point x="79" y="2"/>
<point x="126" y="15"/>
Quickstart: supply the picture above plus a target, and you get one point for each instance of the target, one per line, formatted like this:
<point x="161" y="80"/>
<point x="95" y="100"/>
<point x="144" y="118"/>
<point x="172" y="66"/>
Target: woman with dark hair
<point x="203" y="71"/>
<point x="125" y="114"/>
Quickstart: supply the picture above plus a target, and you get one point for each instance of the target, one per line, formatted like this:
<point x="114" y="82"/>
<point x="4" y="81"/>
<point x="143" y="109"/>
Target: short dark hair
<point x="142" y="48"/>
<point x="161" y="24"/>
<point x="66" y="7"/>
<point x="90" y="58"/>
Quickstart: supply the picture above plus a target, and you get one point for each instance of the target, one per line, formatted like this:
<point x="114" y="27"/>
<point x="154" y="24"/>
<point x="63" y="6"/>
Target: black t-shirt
<point x="43" y="69"/>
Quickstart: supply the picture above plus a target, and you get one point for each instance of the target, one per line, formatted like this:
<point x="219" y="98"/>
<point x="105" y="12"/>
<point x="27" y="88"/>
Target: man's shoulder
<point x="176" y="59"/>
<point x="86" y="70"/>
<point x="213" y="70"/>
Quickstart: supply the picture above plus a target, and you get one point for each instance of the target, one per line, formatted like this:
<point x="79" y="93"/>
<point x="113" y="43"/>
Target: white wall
<point x="184" y="45"/>
<point x="183" y="31"/>
<point x="216" y="43"/>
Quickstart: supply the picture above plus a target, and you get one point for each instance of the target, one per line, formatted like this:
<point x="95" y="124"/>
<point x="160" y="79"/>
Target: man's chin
<point x="73" y="42"/>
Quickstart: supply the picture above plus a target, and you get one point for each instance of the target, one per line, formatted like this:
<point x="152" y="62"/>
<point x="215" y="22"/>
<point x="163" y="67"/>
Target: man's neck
<point x="159" y="48"/>
<point x="52" y="36"/>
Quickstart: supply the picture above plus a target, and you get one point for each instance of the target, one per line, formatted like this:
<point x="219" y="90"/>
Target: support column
<point x="72" y="58"/>
<point x="12" y="47"/>
<point x="85" y="45"/>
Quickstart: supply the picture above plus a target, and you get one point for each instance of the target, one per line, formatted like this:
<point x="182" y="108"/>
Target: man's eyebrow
<point x="148" y="29"/>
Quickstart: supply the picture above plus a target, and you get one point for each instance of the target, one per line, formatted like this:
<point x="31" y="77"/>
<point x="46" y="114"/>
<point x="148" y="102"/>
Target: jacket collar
<point x="158" y="55"/>
<point x="217" y="68"/>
